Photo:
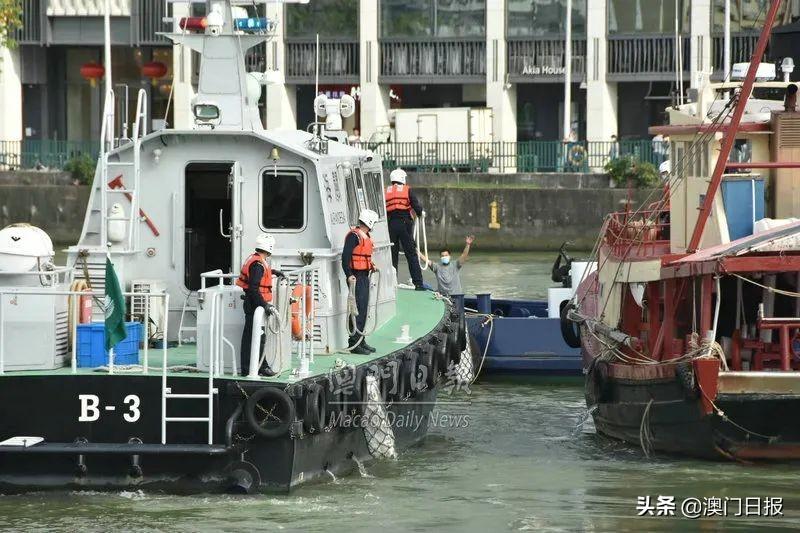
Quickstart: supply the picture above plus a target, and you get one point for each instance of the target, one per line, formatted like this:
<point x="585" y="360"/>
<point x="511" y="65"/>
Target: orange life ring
<point x="297" y="294"/>
<point x="85" y="308"/>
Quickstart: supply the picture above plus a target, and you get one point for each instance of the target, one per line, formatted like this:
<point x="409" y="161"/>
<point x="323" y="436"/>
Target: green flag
<point x="114" y="307"/>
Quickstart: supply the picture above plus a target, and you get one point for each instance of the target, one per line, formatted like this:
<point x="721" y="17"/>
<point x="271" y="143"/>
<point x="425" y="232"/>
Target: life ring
<point x="84" y="305"/>
<point x="316" y="408"/>
<point x="297" y="294"/>
<point x="279" y="408"/>
<point x="576" y="155"/>
<point x="570" y="331"/>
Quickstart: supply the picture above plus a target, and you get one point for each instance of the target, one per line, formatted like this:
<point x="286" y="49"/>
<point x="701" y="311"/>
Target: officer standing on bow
<point x="256" y="280"/>
<point x="401" y="207"/>
<point x="357" y="265"/>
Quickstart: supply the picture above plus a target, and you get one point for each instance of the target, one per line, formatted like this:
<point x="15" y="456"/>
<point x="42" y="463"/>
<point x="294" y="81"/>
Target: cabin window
<point x="353" y="206"/>
<point x="690" y="159"/>
<point x="374" y="186"/>
<point x="283" y="199"/>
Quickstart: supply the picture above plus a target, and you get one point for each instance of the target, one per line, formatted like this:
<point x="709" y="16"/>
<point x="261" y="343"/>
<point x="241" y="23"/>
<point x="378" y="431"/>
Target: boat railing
<point x="637" y="235"/>
<point x="73" y="297"/>
<point x="47" y="277"/>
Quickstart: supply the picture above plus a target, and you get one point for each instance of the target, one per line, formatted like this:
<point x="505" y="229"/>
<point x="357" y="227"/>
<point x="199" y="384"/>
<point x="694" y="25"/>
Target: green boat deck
<point x="421" y="311"/>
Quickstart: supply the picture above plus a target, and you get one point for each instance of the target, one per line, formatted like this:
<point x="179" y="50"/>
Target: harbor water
<point x="512" y="455"/>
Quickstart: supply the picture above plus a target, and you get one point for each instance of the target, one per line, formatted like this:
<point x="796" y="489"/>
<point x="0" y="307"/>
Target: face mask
<point x="446" y="260"/>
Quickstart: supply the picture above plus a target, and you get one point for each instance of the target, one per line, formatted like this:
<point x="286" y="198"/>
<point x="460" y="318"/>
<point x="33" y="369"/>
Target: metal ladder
<point x="181" y="326"/>
<point x="167" y="394"/>
<point x="106" y="146"/>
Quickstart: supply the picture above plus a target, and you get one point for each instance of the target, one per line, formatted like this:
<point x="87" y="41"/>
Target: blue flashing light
<point x="251" y="24"/>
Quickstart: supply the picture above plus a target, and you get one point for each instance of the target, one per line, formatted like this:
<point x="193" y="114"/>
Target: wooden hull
<point x="662" y="414"/>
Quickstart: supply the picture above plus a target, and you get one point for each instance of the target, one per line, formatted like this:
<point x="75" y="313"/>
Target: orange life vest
<point x="397" y="198"/>
<point x="265" y="287"/>
<point x="362" y="253"/>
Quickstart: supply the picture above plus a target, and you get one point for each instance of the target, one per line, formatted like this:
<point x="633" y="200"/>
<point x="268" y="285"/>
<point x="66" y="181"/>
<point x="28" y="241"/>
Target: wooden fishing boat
<point x="690" y="325"/>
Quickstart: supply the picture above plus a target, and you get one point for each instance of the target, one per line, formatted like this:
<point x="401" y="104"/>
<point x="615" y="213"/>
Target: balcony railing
<point x="32" y="21"/>
<point x="634" y="56"/>
<point x="338" y="61"/>
<point x="543" y="59"/>
<point x="434" y="60"/>
<point x="148" y="15"/>
<point x="53" y="154"/>
<point x="524" y="156"/>
<point x="742" y="47"/>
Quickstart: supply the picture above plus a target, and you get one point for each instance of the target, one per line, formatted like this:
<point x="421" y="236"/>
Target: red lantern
<point x="154" y="70"/>
<point x="93" y="71"/>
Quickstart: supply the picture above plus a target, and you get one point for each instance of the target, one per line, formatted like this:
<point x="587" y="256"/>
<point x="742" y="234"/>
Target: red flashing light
<point x="193" y="23"/>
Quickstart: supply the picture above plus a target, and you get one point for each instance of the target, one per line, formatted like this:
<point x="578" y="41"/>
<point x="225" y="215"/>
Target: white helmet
<point x="265" y="242"/>
<point x="665" y="167"/>
<point x="398" y="175"/>
<point x="368" y="217"/>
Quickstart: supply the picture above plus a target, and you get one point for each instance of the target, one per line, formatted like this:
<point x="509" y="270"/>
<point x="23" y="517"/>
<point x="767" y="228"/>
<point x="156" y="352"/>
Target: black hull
<point x="663" y="415"/>
<point x="104" y="459"/>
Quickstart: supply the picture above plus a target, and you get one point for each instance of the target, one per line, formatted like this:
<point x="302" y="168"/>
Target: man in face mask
<point x="448" y="277"/>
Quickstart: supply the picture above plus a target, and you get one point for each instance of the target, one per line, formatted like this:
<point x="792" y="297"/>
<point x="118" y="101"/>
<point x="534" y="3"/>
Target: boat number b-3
<point x="91" y="408"/>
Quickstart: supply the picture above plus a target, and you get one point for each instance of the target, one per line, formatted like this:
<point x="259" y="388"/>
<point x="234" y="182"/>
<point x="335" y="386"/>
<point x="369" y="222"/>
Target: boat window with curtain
<point x="433" y="18"/>
<point x="534" y="18"/>
<point x="647" y="16"/>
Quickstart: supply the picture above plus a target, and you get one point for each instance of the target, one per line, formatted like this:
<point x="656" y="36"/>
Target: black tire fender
<point x="684" y="375"/>
<point x="570" y="331"/>
<point x="282" y="412"/>
<point x="316" y="408"/>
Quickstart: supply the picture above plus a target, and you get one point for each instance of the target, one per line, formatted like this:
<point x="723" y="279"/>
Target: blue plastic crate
<point x="92" y="341"/>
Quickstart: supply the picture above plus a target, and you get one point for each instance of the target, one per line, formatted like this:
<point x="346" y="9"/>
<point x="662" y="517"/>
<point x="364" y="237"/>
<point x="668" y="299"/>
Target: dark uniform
<point x="357" y="261"/>
<point x="400" y="201"/>
<point x="256" y="280"/>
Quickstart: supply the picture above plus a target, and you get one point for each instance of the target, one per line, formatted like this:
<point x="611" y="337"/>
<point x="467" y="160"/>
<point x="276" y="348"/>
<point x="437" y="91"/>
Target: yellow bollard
<point x="493" y="222"/>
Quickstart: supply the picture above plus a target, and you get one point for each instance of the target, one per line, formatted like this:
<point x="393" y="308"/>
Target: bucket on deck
<point x="91" y="345"/>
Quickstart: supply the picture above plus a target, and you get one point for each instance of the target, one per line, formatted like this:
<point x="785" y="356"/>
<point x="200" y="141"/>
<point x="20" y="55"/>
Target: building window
<point x="746" y="15"/>
<point x="328" y="18"/>
<point x="647" y="16"/>
<point x="282" y="199"/>
<point x="433" y="18"/>
<point x="533" y="18"/>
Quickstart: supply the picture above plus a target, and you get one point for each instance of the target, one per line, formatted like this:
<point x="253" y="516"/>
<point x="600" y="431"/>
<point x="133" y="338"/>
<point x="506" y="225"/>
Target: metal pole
<point x="568" y="72"/>
<point x="726" y="62"/>
<point x="107" y="60"/>
<point x="733" y="127"/>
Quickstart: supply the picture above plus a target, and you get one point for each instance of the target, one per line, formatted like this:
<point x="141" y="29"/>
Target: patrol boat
<point x="172" y="215"/>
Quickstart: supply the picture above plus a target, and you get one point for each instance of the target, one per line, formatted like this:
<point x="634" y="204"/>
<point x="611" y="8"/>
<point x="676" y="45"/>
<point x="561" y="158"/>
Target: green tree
<point x="10" y="21"/>
<point x="628" y="169"/>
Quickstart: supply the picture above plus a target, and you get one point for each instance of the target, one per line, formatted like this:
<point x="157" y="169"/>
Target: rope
<point x="352" y="311"/>
<point x="782" y="292"/>
<point x="645" y="436"/>
<point x="422" y="264"/>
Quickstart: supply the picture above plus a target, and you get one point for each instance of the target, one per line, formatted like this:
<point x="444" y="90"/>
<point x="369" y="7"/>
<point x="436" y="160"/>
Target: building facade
<point x="505" y="55"/>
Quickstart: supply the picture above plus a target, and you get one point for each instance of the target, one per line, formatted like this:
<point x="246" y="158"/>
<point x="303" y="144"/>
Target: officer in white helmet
<point x="401" y="207"/>
<point x="256" y="280"/>
<point x="664" y="169"/>
<point x="357" y="265"/>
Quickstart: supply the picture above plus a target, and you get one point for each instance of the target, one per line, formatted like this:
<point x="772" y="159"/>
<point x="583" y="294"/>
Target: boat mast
<point x="730" y="132"/>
